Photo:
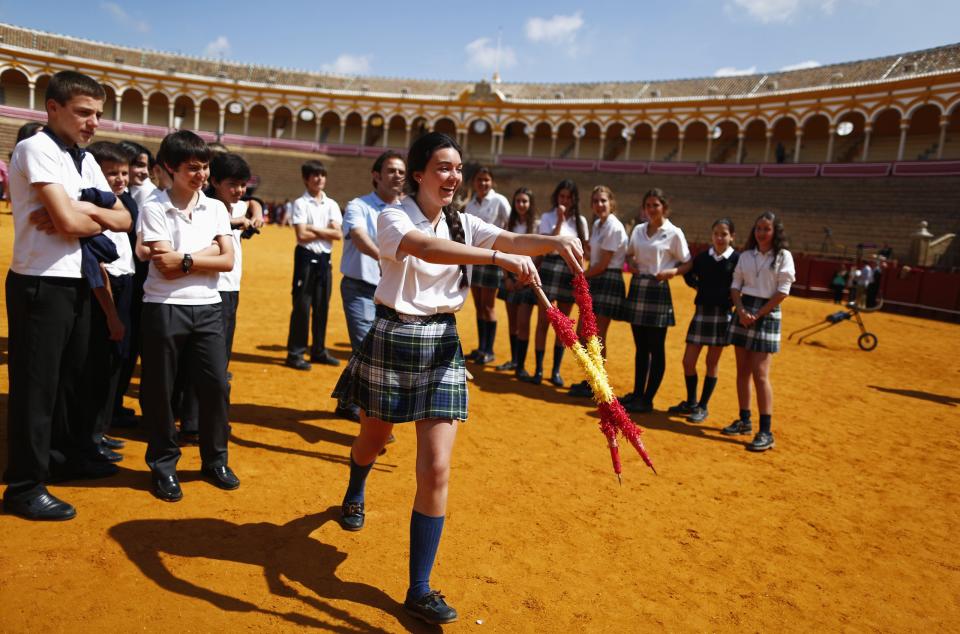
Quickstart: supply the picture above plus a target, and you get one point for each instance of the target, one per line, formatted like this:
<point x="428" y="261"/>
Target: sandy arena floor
<point x="849" y="524"/>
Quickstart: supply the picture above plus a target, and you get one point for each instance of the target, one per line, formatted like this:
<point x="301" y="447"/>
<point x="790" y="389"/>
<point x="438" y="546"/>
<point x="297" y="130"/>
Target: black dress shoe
<point x="351" y="516"/>
<point x="112" y="443"/>
<point x="106" y="454"/>
<point x="536" y="378"/>
<point x="221" y="476"/>
<point x="42" y="506"/>
<point x="297" y="363"/>
<point x="431" y="608"/>
<point x="556" y="379"/>
<point x="82" y="469"/>
<point x="167" y="487"/>
<point x="324" y="359"/>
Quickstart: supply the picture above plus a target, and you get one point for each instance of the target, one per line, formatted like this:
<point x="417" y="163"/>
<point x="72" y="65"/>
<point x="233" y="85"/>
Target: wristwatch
<point x="187" y="263"/>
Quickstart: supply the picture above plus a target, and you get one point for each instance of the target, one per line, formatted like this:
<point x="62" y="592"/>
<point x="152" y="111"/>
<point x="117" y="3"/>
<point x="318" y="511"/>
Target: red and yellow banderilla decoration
<point x="613" y="418"/>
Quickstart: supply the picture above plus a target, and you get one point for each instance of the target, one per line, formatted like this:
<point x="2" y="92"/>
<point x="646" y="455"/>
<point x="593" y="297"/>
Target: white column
<point x="706" y="158"/>
<point x="553" y="144"/>
<point x="530" y="143"/>
<point x="406" y="142"/>
<point x="603" y="142"/>
<point x="363" y="133"/>
<point x="270" y="125"/>
<point x="500" y="143"/>
<point x="680" y="146"/>
<point x="170" y="107"/>
<point x="466" y="139"/>
<point x="653" y="146"/>
<point x="146" y="111"/>
<point x="493" y="144"/>
<point x="944" y="123"/>
<point x="318" y="131"/>
<point x="796" y="148"/>
<point x="293" y="126"/>
<point x="904" y="126"/>
<point x="576" y="145"/>
<point x="766" y="147"/>
<point x="118" y="102"/>
<point x="626" y="152"/>
<point x="386" y="135"/>
<point x="32" y="87"/>
<point x="867" y="129"/>
<point x="196" y="117"/>
<point x="740" y="136"/>
<point x="246" y="122"/>
<point x="222" y="113"/>
<point x="832" y="135"/>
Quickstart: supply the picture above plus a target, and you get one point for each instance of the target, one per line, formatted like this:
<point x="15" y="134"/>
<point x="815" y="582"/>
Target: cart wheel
<point x="867" y="341"/>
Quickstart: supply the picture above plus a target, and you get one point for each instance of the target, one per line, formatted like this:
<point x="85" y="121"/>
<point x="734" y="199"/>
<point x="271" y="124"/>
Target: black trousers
<point x="105" y="358"/>
<point x="312" y="281"/>
<point x="186" y="400"/>
<point x="178" y="337"/>
<point x="136" y="310"/>
<point x="49" y="329"/>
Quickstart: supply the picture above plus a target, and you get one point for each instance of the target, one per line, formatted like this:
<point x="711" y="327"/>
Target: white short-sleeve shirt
<point x="413" y="286"/>
<point x="230" y="281"/>
<point x="307" y="210"/>
<point x="123" y="265"/>
<point x="609" y="235"/>
<point x="665" y="249"/>
<point x="758" y="275"/>
<point x="142" y="193"/>
<point x="494" y="209"/>
<point x="164" y="222"/>
<point x="569" y="227"/>
<point x="40" y="159"/>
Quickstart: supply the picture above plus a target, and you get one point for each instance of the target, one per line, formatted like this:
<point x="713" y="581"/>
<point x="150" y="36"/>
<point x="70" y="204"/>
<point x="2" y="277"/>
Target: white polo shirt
<point x="230" y="281"/>
<point x="609" y="235"/>
<point x="307" y="210"/>
<point x="665" y="249"/>
<point x="548" y="223"/>
<point x="494" y="209"/>
<point x="39" y="159"/>
<point x="755" y="276"/>
<point x="124" y="264"/>
<point x="163" y="221"/>
<point x="413" y="286"/>
<point x="143" y="193"/>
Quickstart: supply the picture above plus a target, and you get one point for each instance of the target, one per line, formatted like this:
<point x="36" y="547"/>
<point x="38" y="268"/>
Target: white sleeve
<point x="99" y="180"/>
<point x="504" y="212"/>
<point x="223" y="222"/>
<point x="786" y="272"/>
<point x="613" y="239"/>
<point x="335" y="214"/>
<point x="41" y="164"/>
<point x="680" y="249"/>
<point x="544" y="227"/>
<point x="631" y="243"/>
<point x="299" y="212"/>
<point x="392" y="225"/>
<point x="585" y="227"/>
<point x="155" y="224"/>
<point x="479" y="233"/>
<point x="738" y="280"/>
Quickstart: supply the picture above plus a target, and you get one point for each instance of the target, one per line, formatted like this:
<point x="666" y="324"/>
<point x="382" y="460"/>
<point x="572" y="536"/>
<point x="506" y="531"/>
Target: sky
<point x="557" y="41"/>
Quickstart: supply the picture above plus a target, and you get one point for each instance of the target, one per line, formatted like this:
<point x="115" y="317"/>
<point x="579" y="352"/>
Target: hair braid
<point x="457" y="235"/>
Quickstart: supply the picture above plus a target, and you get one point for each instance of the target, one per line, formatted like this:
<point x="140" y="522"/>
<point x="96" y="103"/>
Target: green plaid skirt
<point x="408" y="368"/>
<point x="608" y="291"/>
<point x="710" y="326"/>
<point x="485" y="276"/>
<point x="764" y="334"/>
<point x="649" y="303"/>
<point x="556" y="279"/>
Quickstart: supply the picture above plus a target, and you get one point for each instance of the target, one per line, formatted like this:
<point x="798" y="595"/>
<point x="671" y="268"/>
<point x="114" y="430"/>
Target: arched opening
<point x="418" y="128"/>
<point x="209" y="116"/>
<point x="158" y="109"/>
<point x="848" y="144"/>
<point x="724" y="142"/>
<point x="885" y="138"/>
<point x="131" y="106"/>
<point x="479" y="135"/>
<point x="951" y="146"/>
<point x="353" y="130"/>
<point x="397" y="132"/>
<point x="784" y="140"/>
<point x="590" y="141"/>
<point x="330" y="127"/>
<point x="668" y="141"/>
<point x="375" y="127"/>
<point x="754" y="142"/>
<point x="109" y="103"/>
<point x="642" y="143"/>
<point x="694" y="142"/>
<point x="566" y="140"/>
<point x="183" y="113"/>
<point x="447" y="126"/>
<point x="282" y="123"/>
<point x="40" y="91"/>
<point x="923" y="135"/>
<point x="15" y="90"/>
<point x="233" y="117"/>
<point x="514" y="139"/>
<point x="543" y="140"/>
<point x="816" y="138"/>
<point x="258" y="121"/>
<point x="613" y="142"/>
<point x="306" y="128"/>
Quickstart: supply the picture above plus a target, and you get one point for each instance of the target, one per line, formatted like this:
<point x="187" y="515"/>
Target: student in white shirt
<point x="410" y="366"/>
<point x="563" y="220"/>
<point x="48" y="302"/>
<point x="189" y="239"/>
<point x="657" y="248"/>
<point x="316" y="219"/>
<point x="761" y="281"/>
<point x="493" y="208"/>
<point x="520" y="299"/>
<point x="607" y="252"/>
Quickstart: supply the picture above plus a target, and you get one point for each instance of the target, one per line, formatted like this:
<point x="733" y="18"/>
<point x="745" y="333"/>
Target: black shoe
<point x="106" y="454"/>
<point x="221" y="476"/>
<point x="42" y="506"/>
<point x="738" y="428"/>
<point x="351" y="516"/>
<point x="639" y="405"/>
<point x="761" y="442"/>
<point x="698" y="415"/>
<point x="324" y="359"/>
<point x="297" y="363"/>
<point x="683" y="408"/>
<point x="508" y="366"/>
<point x="166" y="488"/>
<point x="431" y="608"/>
<point x="522" y="374"/>
<point x="556" y="379"/>
<point x="536" y="378"/>
<point x="82" y="469"/>
<point x="112" y="443"/>
<point x="188" y="438"/>
<point x="627" y="398"/>
<point x="473" y="354"/>
<point x="350" y="412"/>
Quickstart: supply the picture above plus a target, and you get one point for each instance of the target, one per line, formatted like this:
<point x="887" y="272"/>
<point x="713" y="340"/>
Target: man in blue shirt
<point x="360" y="263"/>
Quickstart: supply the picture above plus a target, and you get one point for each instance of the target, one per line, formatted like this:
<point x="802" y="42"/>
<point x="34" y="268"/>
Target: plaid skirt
<point x="485" y="276"/>
<point x="556" y="279"/>
<point x="649" y="303"/>
<point x="710" y="326"/>
<point x="408" y="368"/>
<point x="608" y="291"/>
<point x="523" y="295"/>
<point x="763" y="335"/>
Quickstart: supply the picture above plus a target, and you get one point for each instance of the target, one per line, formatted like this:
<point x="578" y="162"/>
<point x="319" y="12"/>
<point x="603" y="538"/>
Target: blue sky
<point x="540" y="41"/>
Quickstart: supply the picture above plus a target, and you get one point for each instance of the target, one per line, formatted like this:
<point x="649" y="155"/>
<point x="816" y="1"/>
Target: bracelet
<point x="493" y="260"/>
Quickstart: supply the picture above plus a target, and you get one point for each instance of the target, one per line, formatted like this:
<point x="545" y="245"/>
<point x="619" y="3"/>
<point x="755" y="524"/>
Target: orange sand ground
<point x="850" y="523"/>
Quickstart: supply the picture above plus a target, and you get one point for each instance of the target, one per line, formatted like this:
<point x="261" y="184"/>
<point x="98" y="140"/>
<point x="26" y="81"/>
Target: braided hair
<point x="417" y="159"/>
<point x="570" y="186"/>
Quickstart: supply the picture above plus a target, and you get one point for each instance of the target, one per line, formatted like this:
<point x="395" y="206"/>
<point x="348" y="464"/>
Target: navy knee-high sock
<point x="491" y="336"/>
<point x="709" y="382"/>
<point x="691" y="380"/>
<point x="481" y="335"/>
<point x="766" y="421"/>
<point x="513" y="348"/>
<point x="425" y="534"/>
<point x="521" y="358"/>
<point x="538" y="355"/>
<point x="557" y="358"/>
<point x="358" y="481"/>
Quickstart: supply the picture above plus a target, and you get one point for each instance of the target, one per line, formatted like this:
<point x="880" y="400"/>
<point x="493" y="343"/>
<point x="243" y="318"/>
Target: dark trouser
<point x="49" y="328"/>
<point x="185" y="400"/>
<point x="105" y="359"/>
<point x="312" y="278"/>
<point x="650" y="362"/>
<point x="183" y="337"/>
<point x="136" y="310"/>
